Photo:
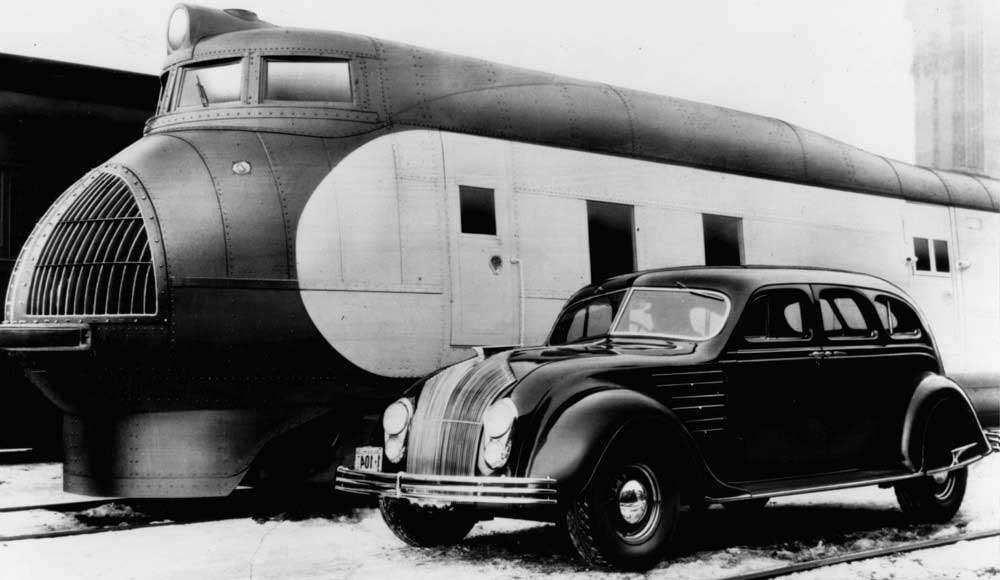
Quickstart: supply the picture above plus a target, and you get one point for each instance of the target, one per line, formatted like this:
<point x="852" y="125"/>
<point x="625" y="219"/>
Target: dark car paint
<point x="581" y="397"/>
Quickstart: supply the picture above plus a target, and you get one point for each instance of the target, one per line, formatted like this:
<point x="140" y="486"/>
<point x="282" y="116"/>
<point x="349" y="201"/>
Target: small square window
<point x="921" y="249"/>
<point x="478" y="212"/>
<point x="941" y="263"/>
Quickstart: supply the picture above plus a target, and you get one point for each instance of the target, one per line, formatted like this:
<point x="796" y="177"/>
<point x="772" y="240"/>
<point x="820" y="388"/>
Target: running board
<point x="816" y="483"/>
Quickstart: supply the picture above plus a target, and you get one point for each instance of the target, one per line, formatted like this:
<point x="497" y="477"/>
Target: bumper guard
<point x="454" y="489"/>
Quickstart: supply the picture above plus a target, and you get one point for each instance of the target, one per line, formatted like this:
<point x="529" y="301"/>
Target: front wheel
<point x="626" y="517"/>
<point x="425" y="526"/>
<point x="934" y="498"/>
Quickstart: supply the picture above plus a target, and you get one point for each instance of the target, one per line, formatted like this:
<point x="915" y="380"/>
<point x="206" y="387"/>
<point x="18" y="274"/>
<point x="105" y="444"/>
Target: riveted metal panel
<point x="919" y="183"/>
<point x="251" y="208"/>
<point x="965" y="190"/>
<point x="830" y="163"/>
<point x="180" y="187"/>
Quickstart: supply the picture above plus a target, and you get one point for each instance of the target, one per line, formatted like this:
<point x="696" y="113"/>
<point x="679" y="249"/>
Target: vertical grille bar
<point x="97" y="259"/>
<point x="447" y="424"/>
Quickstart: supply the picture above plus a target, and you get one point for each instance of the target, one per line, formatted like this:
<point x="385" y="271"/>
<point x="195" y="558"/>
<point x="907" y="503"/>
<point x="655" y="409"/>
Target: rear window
<point x="310" y="80"/>
<point x="210" y="84"/>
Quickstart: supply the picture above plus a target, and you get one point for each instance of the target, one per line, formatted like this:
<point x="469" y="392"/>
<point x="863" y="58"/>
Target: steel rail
<point x="863" y="555"/>
<point x="60" y="506"/>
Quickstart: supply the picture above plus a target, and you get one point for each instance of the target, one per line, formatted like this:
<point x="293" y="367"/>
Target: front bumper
<point x="44" y="336"/>
<point x="450" y="489"/>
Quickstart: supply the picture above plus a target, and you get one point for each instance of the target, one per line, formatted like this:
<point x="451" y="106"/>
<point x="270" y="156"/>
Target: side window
<point x="777" y="315"/>
<point x="590" y="319"/>
<point x="478" y="210"/>
<point x="898" y="319"/>
<point x="931" y="255"/>
<point x="307" y="80"/>
<point x="843" y="315"/>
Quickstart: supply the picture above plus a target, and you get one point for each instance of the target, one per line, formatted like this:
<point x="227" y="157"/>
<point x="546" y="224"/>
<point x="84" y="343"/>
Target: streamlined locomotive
<point x="313" y="219"/>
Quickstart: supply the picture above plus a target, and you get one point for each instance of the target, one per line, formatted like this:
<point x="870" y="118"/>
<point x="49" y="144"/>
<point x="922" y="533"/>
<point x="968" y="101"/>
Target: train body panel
<point x="278" y="258"/>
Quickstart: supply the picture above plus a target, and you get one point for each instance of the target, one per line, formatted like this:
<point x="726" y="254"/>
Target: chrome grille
<point x="447" y="423"/>
<point x="97" y="259"/>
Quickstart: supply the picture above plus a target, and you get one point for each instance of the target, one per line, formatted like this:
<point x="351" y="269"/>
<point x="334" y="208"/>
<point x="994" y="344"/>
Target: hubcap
<point x="944" y="489"/>
<point x="635" y="503"/>
<point x="632" y="501"/>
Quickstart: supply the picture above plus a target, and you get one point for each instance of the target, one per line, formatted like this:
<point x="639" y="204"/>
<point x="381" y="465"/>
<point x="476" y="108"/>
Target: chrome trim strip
<point x="472" y="490"/>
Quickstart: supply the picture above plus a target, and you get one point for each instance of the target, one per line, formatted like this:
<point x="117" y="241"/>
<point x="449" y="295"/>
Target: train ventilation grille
<point x="97" y="260"/>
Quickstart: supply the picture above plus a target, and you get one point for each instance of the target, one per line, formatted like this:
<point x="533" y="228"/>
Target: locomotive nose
<point x="96" y="254"/>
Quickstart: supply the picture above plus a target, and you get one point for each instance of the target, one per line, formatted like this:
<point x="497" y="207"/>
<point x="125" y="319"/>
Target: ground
<point x="355" y="543"/>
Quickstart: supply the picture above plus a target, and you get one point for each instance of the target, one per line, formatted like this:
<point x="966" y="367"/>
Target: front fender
<point x="570" y="447"/>
<point x="939" y="419"/>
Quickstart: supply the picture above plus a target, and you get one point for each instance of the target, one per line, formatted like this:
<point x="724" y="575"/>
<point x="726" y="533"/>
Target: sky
<point x="840" y="68"/>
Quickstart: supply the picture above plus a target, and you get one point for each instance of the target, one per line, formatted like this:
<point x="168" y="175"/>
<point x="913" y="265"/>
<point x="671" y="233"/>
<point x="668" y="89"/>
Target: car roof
<point x="736" y="279"/>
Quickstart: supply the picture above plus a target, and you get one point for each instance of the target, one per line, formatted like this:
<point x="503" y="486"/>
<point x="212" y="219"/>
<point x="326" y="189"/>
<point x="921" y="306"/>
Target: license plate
<point x="368" y="459"/>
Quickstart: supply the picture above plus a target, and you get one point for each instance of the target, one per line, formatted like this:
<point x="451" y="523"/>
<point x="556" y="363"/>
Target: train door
<point x="930" y="246"/>
<point x="484" y="275"/>
<point x="977" y="271"/>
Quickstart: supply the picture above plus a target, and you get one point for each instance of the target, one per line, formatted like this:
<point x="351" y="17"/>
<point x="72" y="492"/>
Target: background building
<point x="956" y="75"/>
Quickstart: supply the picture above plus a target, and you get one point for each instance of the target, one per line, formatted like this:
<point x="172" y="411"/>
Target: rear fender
<point x="571" y="446"/>
<point x="941" y="429"/>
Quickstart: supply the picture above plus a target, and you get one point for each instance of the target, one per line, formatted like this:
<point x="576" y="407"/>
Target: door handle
<point x="817" y="354"/>
<point x="835" y="353"/>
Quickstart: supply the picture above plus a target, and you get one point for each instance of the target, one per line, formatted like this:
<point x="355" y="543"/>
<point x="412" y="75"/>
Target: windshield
<point x="684" y="314"/>
<point x="210" y="84"/>
<point x="587" y="319"/>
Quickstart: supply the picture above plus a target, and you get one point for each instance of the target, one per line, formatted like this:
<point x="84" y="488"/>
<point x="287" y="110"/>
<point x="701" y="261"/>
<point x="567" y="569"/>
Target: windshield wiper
<point x="699" y="293"/>
<point x="201" y="91"/>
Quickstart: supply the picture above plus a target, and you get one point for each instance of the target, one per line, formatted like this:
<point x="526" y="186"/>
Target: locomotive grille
<point x="447" y="424"/>
<point x="97" y="259"/>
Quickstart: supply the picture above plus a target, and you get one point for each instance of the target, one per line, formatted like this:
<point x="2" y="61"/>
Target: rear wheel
<point x="425" y="526"/>
<point x="935" y="498"/>
<point x="626" y="517"/>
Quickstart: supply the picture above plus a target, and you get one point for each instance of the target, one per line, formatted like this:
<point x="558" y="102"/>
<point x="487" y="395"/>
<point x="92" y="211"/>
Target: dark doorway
<point x="610" y="233"/>
<point x="723" y="246"/>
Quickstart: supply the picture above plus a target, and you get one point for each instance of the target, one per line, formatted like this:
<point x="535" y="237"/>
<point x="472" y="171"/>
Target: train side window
<point x="478" y="210"/>
<point x="941" y="263"/>
<point x="931" y="255"/>
<point x="610" y="228"/>
<point x="723" y="240"/>
<point x="898" y="319"/>
<point x="306" y="80"/>
<point x="777" y="315"/>
<point x="210" y="84"/>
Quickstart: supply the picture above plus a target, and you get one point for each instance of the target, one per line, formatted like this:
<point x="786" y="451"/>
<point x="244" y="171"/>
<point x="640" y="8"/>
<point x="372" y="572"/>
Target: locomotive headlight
<point x="395" y="421"/>
<point x="397" y="417"/>
<point x="497" y="423"/>
<point x="178" y="28"/>
<point x="499" y="418"/>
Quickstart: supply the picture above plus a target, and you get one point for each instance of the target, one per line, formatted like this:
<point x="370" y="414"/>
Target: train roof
<point x="423" y="88"/>
<point x="736" y="278"/>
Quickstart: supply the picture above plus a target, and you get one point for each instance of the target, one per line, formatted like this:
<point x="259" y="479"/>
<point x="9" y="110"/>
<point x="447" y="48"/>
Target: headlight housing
<point x="498" y="421"/>
<point x="395" y="424"/>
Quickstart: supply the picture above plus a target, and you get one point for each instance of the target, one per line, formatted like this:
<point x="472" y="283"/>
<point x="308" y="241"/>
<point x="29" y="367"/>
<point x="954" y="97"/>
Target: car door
<point x="772" y="363"/>
<point x="858" y="380"/>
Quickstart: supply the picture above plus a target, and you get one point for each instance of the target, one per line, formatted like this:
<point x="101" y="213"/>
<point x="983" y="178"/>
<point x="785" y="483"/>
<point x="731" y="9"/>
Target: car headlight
<point x="395" y="422"/>
<point x="397" y="417"/>
<point x="497" y="423"/>
<point x="499" y="418"/>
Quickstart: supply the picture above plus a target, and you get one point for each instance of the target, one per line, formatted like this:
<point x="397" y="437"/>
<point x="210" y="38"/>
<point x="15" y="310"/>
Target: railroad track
<point x="142" y="513"/>
<point x="863" y="555"/>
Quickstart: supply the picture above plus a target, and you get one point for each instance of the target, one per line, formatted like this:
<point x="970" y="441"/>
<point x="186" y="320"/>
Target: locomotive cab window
<point x="206" y="85"/>
<point x="306" y="80"/>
